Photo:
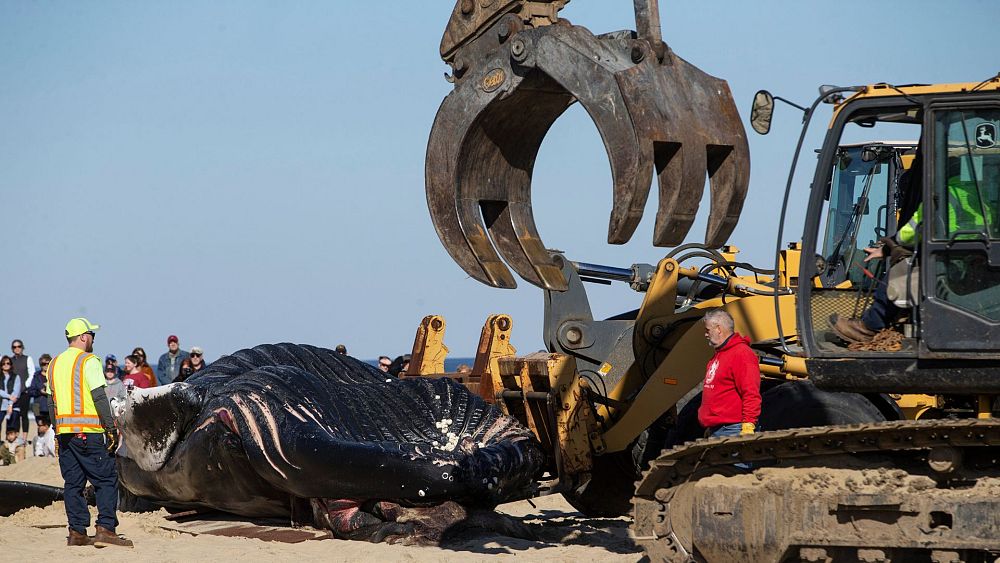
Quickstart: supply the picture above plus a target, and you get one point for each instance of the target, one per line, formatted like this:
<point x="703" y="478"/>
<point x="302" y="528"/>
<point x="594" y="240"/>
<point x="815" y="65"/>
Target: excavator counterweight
<point x="516" y="68"/>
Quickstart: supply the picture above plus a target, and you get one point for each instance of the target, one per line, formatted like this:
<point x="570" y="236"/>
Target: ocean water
<point x="451" y="364"/>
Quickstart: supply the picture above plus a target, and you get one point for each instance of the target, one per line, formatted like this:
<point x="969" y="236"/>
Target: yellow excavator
<point x="887" y="450"/>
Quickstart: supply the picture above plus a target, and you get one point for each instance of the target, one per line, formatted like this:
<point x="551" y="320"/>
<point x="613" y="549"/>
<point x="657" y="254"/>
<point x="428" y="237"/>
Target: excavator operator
<point x="965" y="213"/>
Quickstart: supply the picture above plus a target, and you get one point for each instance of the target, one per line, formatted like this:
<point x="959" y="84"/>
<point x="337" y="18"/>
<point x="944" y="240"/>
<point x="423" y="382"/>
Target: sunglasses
<point x="196" y="354"/>
<point x="17" y="347"/>
<point x="5" y="364"/>
<point x="384" y="364"/>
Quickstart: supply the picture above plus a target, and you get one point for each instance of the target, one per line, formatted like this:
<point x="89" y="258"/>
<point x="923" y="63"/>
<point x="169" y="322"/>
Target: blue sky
<point x="247" y="172"/>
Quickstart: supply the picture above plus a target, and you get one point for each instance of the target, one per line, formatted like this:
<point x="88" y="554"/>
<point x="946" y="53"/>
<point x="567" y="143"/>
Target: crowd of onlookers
<point x="23" y="392"/>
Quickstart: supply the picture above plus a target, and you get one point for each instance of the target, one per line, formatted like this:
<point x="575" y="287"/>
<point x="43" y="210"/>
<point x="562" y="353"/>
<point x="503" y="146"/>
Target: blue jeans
<point x="729" y="430"/>
<point x="82" y="460"/>
<point x="881" y="311"/>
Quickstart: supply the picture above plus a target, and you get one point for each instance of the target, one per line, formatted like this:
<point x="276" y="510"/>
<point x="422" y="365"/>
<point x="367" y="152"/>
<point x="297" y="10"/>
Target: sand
<point x="565" y="535"/>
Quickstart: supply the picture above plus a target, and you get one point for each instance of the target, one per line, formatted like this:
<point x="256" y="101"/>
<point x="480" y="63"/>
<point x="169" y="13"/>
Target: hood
<point x="734" y="340"/>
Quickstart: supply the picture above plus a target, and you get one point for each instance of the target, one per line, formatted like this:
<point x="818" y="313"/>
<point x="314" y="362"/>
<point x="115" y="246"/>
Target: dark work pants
<point x="881" y="311"/>
<point x="24" y="402"/>
<point x="82" y="460"/>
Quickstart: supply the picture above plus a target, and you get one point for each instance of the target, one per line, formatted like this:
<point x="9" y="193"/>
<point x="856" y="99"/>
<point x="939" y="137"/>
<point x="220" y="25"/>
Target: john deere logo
<point x="494" y="79"/>
<point x="986" y="135"/>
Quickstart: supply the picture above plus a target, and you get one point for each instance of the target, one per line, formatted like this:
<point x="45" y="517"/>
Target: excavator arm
<point x="517" y="66"/>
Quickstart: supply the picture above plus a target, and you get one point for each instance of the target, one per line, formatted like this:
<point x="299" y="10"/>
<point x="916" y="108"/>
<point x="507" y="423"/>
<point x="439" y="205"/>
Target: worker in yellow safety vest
<point x="87" y="436"/>
<point x="965" y="215"/>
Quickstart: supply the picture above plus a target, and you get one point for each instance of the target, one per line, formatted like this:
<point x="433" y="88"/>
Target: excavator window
<point x="859" y="209"/>
<point x="967" y="175"/>
<point x="966" y="216"/>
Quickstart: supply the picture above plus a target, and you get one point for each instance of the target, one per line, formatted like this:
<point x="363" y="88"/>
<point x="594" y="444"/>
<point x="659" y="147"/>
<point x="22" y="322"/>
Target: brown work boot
<point x="851" y="330"/>
<point x="104" y="538"/>
<point x="76" y="538"/>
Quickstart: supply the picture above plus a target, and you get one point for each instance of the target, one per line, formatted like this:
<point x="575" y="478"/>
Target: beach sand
<point x="564" y="535"/>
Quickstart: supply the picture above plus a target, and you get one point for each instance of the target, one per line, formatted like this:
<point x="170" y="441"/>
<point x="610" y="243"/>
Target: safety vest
<point x="965" y="213"/>
<point x="75" y="410"/>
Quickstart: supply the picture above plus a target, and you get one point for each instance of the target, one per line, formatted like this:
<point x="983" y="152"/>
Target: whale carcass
<point x="298" y="431"/>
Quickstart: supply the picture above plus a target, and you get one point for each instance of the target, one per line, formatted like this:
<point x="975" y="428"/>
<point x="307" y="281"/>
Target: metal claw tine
<point x="471" y="219"/>
<point x="728" y="171"/>
<point x="682" y="183"/>
<point x="544" y="272"/>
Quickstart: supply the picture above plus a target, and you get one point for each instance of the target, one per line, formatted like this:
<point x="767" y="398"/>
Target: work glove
<point x="111" y="440"/>
<point x="747" y="428"/>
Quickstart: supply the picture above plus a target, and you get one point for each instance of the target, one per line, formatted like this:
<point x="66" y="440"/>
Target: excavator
<point x="881" y="450"/>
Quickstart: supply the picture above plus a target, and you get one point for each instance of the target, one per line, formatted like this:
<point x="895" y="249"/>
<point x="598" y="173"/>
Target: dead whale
<point x="298" y="431"/>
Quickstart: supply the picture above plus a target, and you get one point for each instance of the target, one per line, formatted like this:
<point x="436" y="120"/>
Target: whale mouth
<point x="226" y="418"/>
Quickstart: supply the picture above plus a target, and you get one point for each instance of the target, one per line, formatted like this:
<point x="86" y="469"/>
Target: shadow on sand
<point x="551" y="528"/>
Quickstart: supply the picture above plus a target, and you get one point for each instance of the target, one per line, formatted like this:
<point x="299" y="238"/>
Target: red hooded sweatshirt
<point x="732" y="385"/>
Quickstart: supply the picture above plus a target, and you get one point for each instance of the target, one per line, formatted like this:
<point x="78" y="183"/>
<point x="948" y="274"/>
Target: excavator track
<point x="809" y="497"/>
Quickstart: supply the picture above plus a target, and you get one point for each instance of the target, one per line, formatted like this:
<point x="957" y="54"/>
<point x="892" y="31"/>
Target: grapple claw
<point x="653" y="111"/>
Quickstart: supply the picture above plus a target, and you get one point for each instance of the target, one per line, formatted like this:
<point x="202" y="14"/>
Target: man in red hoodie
<point x="730" y="399"/>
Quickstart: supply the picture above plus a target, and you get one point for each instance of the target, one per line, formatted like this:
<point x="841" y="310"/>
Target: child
<point x="14" y="445"/>
<point x="45" y="445"/>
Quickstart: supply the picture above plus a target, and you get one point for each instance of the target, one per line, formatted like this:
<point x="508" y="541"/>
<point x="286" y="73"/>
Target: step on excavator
<point x="877" y="447"/>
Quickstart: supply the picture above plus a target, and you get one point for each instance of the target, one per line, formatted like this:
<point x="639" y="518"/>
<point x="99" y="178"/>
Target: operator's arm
<point x="747" y="376"/>
<point x="907" y="234"/>
<point x="94" y="377"/>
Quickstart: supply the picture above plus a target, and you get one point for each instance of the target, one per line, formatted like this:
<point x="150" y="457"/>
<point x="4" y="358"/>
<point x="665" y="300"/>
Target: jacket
<point x="965" y="213"/>
<point x="165" y="373"/>
<point x="10" y="388"/>
<point x="731" y="394"/>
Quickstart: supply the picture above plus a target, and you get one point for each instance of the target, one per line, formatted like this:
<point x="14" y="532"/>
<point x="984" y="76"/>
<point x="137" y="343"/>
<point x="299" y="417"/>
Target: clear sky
<point x="239" y="172"/>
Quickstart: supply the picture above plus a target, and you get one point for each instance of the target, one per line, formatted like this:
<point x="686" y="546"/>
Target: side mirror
<point x="761" y="112"/>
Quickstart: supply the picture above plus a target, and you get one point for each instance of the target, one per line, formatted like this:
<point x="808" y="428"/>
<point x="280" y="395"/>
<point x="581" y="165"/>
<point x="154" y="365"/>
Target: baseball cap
<point x="197" y="350"/>
<point x="78" y="326"/>
<point x="172" y="338"/>
<point x="110" y="358"/>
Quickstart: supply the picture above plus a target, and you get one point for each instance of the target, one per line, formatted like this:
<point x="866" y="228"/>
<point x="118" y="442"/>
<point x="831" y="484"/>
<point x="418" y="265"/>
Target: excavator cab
<point x="943" y="292"/>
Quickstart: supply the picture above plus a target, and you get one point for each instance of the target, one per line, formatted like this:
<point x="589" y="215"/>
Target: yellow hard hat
<point x="78" y="326"/>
